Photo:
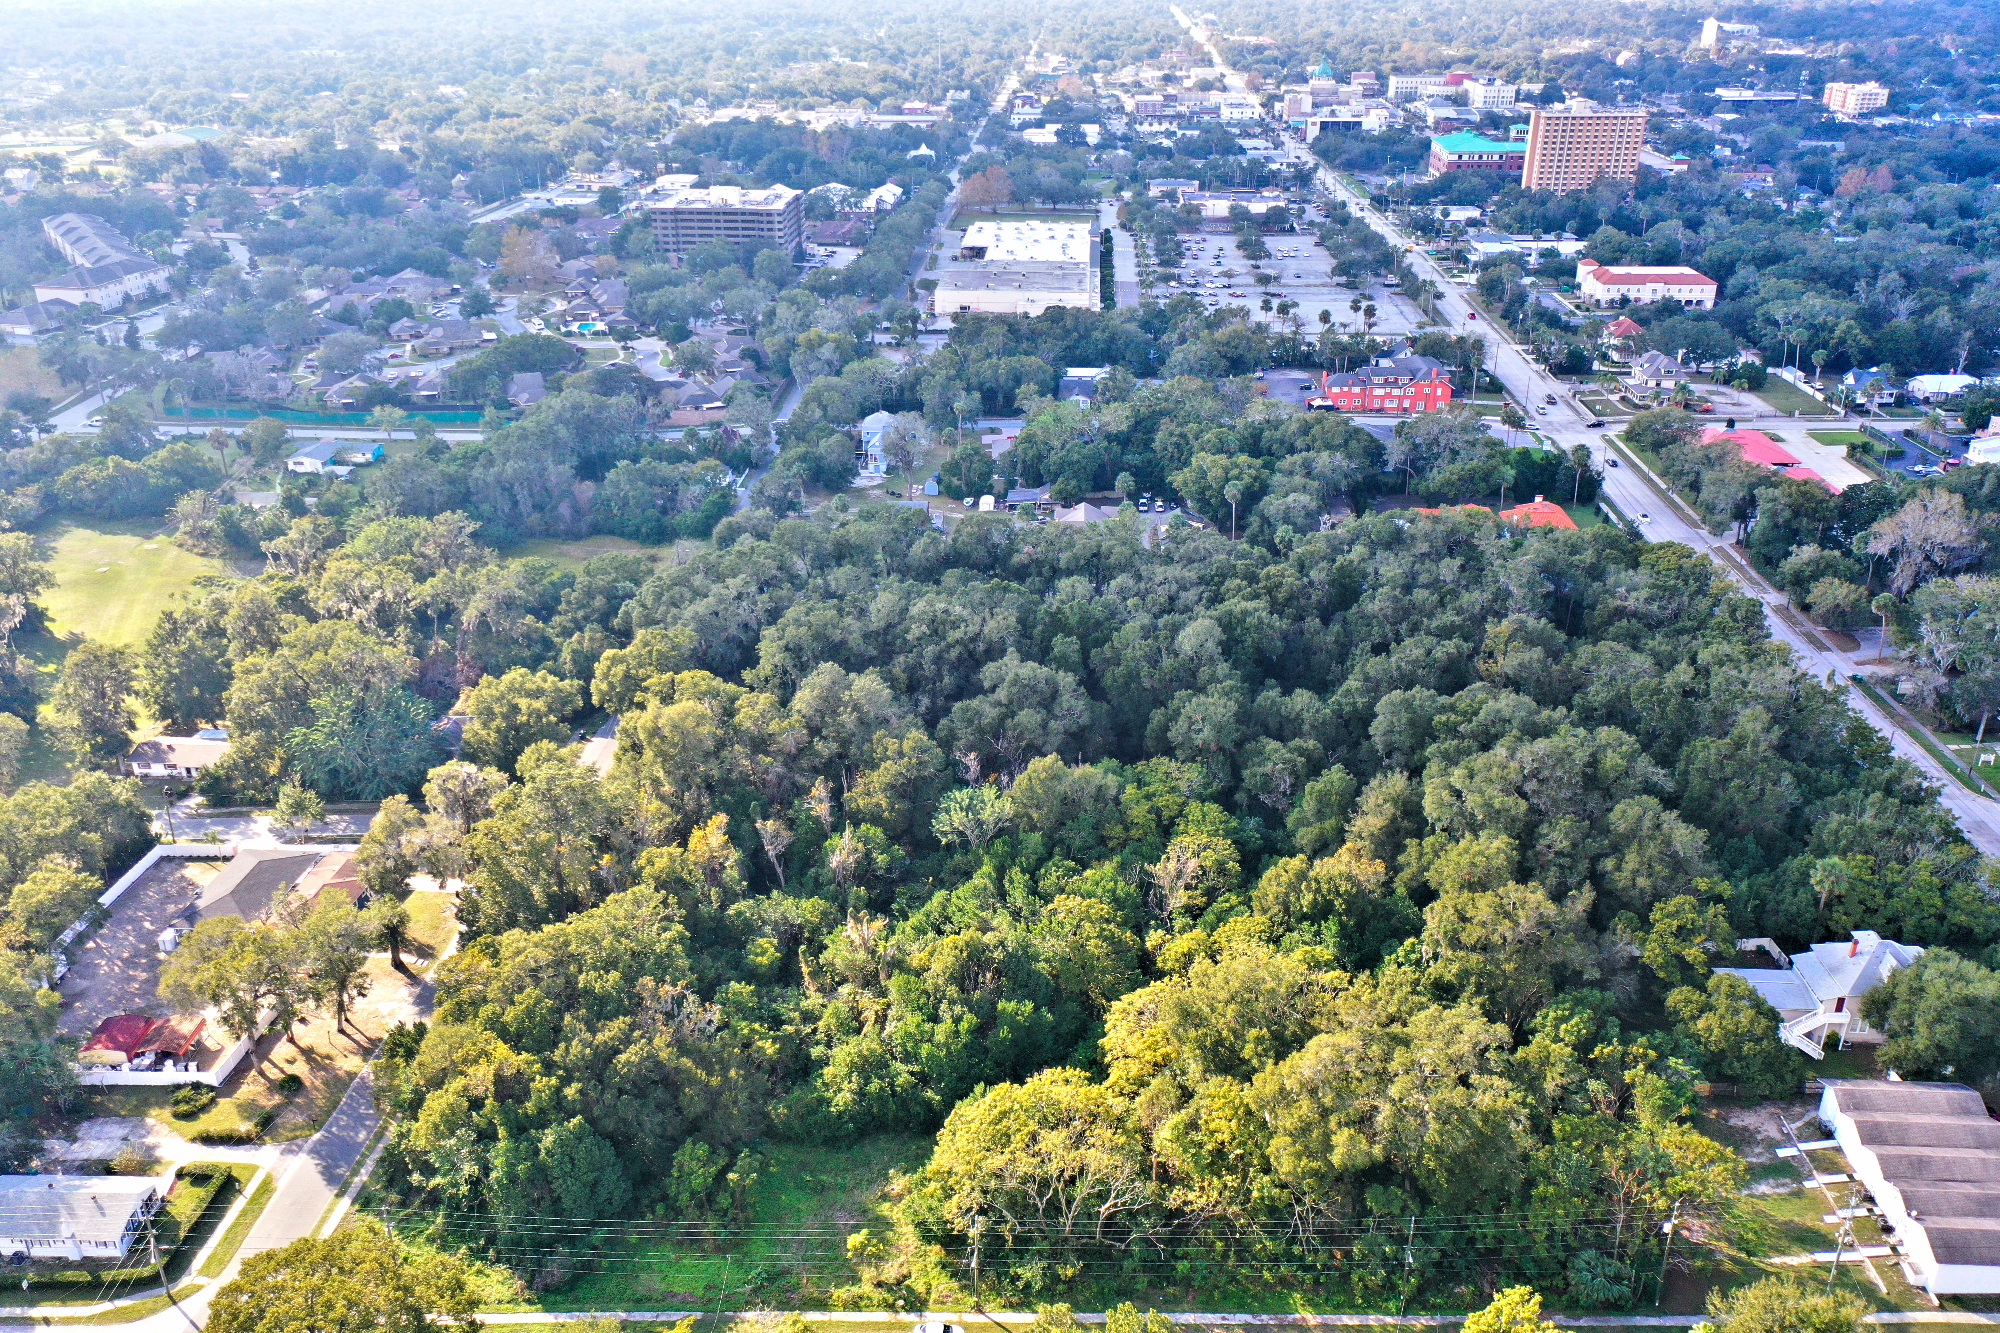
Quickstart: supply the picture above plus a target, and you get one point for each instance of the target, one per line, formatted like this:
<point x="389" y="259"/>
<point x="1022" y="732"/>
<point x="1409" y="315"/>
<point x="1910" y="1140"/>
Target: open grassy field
<point x="22" y="368"/>
<point x="113" y="578"/>
<point x="571" y="555"/>
<point x="1783" y="397"/>
<point x="1840" y="439"/>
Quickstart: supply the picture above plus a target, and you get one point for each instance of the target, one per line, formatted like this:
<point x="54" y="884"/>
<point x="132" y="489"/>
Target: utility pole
<point x="978" y="1230"/>
<point x="1409" y="1264"/>
<point x="1667" y="1252"/>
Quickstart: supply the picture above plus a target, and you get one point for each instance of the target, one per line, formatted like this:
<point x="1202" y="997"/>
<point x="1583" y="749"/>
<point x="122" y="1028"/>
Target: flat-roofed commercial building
<point x="773" y="217"/>
<point x="1468" y="150"/>
<point x="1025" y="288"/>
<point x="1570" y="147"/>
<point x="1026" y="242"/>
<point x="1930" y="1156"/>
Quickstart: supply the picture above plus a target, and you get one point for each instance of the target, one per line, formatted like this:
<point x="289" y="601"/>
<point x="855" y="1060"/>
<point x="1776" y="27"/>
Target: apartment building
<point x="1855" y="99"/>
<point x="1573" y="145"/>
<point x="773" y="217"/>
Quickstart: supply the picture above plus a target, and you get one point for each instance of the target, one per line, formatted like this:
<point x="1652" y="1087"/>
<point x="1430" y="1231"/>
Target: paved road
<point x="1124" y="255"/>
<point x="310" y="1174"/>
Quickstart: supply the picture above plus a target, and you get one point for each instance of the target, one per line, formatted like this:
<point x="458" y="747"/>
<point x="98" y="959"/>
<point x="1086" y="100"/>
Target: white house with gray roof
<point x="1818" y="993"/>
<point x="74" y="1217"/>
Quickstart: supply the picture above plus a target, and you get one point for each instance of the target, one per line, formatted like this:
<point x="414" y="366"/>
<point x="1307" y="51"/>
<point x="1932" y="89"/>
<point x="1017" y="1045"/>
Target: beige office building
<point x="1019" y="288"/>
<point x="1855" y="99"/>
<point x="1571" y="146"/>
<point x="774" y="218"/>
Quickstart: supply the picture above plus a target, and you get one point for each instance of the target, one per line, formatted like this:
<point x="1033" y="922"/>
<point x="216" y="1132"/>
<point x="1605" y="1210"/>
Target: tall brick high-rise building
<point x="1571" y="146"/>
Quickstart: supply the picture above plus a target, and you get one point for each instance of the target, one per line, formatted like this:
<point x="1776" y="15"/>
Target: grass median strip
<point x="1966" y="779"/>
<point x="232" y="1239"/>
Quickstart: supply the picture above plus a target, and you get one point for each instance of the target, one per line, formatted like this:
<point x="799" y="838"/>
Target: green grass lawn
<point x="572" y="555"/>
<point x="432" y="924"/>
<point x="837" y="1190"/>
<point x="113" y="579"/>
<point x="1782" y="396"/>
<point x="22" y="368"/>
<point x="1841" y="439"/>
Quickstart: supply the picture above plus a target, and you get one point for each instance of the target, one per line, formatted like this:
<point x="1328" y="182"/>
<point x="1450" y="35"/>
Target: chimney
<point x="1538" y="499"/>
<point x="1853" y="948"/>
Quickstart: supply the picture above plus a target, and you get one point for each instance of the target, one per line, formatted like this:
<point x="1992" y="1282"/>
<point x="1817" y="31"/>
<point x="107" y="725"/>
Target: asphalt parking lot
<point x="1304" y="275"/>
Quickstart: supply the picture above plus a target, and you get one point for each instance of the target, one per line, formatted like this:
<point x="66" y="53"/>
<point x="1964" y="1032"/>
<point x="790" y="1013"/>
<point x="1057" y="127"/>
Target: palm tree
<point x="1819" y="365"/>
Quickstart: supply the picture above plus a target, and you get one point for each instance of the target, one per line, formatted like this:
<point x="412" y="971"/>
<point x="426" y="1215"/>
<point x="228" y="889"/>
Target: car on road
<point x="1923" y="470"/>
<point x="94" y="422"/>
<point x="1645" y="518"/>
<point x="1595" y="424"/>
<point x="1541" y="410"/>
<point x="1611" y="462"/>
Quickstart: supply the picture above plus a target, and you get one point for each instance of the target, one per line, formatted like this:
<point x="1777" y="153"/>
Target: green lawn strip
<point x="1966" y="778"/>
<point x="232" y="1239"/>
<point x="572" y="555"/>
<point x="1783" y="396"/>
<point x="432" y="924"/>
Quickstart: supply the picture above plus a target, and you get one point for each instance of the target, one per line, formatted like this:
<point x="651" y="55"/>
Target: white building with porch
<point x="1818" y="993"/>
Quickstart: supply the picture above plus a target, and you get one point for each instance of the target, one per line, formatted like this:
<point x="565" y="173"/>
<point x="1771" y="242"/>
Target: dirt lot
<point x="325" y="1059"/>
<point x="118" y="971"/>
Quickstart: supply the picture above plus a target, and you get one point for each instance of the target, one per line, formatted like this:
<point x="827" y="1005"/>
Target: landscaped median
<point x="1916" y="732"/>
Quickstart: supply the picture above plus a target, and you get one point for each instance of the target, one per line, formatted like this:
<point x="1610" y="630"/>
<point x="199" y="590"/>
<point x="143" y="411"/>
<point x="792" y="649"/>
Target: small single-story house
<point x="335" y="872"/>
<point x="1083" y="513"/>
<point x="1538" y="513"/>
<point x="176" y="756"/>
<point x="252" y="881"/>
<point x="1026" y="495"/>
<point x="1929" y="1155"/>
<point x="324" y="455"/>
<point x="74" y="1217"/>
<point x="1819" y="991"/>
<point x="1937" y="388"/>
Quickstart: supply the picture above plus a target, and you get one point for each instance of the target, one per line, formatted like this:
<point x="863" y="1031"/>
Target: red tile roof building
<point x="1391" y="385"/>
<point x="1538" y="513"/>
<point x="1605" y="284"/>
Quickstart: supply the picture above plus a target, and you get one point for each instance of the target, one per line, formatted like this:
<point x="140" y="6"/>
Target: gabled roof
<point x="247" y="885"/>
